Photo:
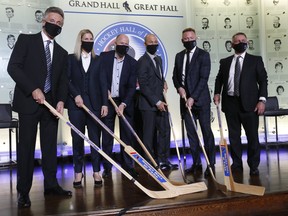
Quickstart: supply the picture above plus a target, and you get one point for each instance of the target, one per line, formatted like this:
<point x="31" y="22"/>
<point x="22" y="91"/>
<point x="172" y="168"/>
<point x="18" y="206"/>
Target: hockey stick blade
<point x="153" y="194"/>
<point x="183" y="189"/>
<point x="228" y="177"/>
<point x="219" y="186"/>
<point x="175" y="141"/>
<point x="141" y="143"/>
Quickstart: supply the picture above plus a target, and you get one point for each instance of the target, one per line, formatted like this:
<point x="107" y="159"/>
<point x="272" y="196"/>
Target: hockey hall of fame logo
<point x="105" y="40"/>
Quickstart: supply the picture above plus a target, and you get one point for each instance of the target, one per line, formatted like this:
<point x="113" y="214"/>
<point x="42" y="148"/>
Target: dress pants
<point x="156" y="122"/>
<point x="80" y="119"/>
<point x="235" y="117"/>
<point x="125" y="134"/>
<point x="28" y="127"/>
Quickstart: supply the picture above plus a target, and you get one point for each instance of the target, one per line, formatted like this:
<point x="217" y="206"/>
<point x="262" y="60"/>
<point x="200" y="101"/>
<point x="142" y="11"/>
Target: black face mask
<point x="87" y="46"/>
<point x="189" y="45"/>
<point x="152" y="48"/>
<point x="52" y="29"/>
<point x="122" y="49"/>
<point x="240" y="47"/>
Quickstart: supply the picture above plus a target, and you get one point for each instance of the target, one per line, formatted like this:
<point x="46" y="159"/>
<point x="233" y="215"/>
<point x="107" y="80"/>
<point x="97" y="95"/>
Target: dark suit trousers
<point x="125" y="134"/>
<point x="236" y="116"/>
<point x="28" y="126"/>
<point x="80" y="119"/>
<point x="203" y="115"/>
<point x="156" y="122"/>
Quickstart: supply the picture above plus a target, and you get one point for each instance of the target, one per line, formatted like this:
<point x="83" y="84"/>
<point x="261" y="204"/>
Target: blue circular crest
<point x="136" y="33"/>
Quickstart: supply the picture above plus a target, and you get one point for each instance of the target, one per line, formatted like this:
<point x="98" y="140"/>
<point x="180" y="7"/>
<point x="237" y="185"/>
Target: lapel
<point x="80" y="65"/>
<point x="181" y="63"/>
<point x="156" y="71"/>
<point x="124" y="69"/>
<point x="110" y="66"/>
<point x="245" y="63"/>
<point x="194" y="57"/>
<point x="39" y="41"/>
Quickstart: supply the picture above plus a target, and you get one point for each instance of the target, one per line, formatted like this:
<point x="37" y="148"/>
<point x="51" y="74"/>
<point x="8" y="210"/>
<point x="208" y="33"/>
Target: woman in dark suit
<point x="86" y="86"/>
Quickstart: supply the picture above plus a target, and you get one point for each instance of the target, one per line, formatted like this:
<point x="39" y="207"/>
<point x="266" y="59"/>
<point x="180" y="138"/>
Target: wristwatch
<point x="262" y="100"/>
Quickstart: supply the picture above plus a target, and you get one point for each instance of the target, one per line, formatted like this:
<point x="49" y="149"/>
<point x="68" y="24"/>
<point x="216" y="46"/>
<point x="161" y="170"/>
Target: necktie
<point x="158" y="67"/>
<point x="237" y="76"/>
<point x="47" y="86"/>
<point x="186" y="67"/>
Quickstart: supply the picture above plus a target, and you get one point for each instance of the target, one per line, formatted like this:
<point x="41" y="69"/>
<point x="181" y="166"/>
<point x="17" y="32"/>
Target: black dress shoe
<point x="195" y="168"/>
<point x="164" y="166"/>
<point x="58" y="191"/>
<point x="173" y="166"/>
<point x="78" y="184"/>
<point x="106" y="173"/>
<point x="133" y="173"/>
<point x="98" y="182"/>
<point x="24" y="201"/>
<point x="207" y="172"/>
<point x="254" y="172"/>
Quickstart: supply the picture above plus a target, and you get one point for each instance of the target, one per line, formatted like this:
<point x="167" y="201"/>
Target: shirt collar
<point x="85" y="55"/>
<point x="193" y="50"/>
<point x="151" y="56"/>
<point x="242" y="55"/>
<point x="45" y="37"/>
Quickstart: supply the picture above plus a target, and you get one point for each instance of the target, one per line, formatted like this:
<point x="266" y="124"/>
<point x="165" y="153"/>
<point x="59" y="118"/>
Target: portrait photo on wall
<point x="228" y="45"/>
<point x="248" y="21"/>
<point x="206" y="46"/>
<point x="11" y="40"/>
<point x="39" y="14"/>
<point x="205" y="24"/>
<point x="227" y="23"/>
<point x="277" y="68"/>
<point x="276" y="45"/>
<point x="253" y="45"/>
<point x="275" y="20"/>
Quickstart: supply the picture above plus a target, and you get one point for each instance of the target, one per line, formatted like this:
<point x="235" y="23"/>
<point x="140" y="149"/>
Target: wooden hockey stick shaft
<point x="141" y="143"/>
<point x="228" y="176"/>
<point x="136" y="136"/>
<point x="218" y="185"/>
<point x="175" y="141"/>
<point x="183" y="141"/>
<point x="183" y="189"/>
<point x="150" y="193"/>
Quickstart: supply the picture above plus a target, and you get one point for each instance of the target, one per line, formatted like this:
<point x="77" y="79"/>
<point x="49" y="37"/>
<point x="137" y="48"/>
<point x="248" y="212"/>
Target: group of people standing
<point x="43" y="70"/>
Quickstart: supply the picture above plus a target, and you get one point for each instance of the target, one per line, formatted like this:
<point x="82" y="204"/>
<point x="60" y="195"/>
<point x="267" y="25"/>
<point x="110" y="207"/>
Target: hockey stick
<point x="153" y="194"/>
<point x="141" y="143"/>
<point x="176" y="144"/>
<point x="183" y="141"/>
<point x="218" y="185"/>
<point x="183" y="189"/>
<point x="228" y="177"/>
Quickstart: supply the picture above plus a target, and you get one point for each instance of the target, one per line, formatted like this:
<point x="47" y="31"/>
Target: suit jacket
<point x="97" y="84"/>
<point x="127" y="86"/>
<point x="27" y="67"/>
<point x="196" y="84"/>
<point x="253" y="81"/>
<point x="150" y="82"/>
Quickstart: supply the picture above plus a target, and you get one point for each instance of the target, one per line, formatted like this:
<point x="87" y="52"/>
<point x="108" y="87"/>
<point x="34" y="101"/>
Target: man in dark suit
<point x="35" y="82"/>
<point x="152" y="106"/>
<point x="191" y="81"/>
<point x="242" y="79"/>
<point x="119" y="68"/>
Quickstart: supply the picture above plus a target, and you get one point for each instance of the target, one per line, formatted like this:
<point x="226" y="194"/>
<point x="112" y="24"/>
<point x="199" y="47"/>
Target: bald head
<point x="151" y="39"/>
<point x="122" y="39"/>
